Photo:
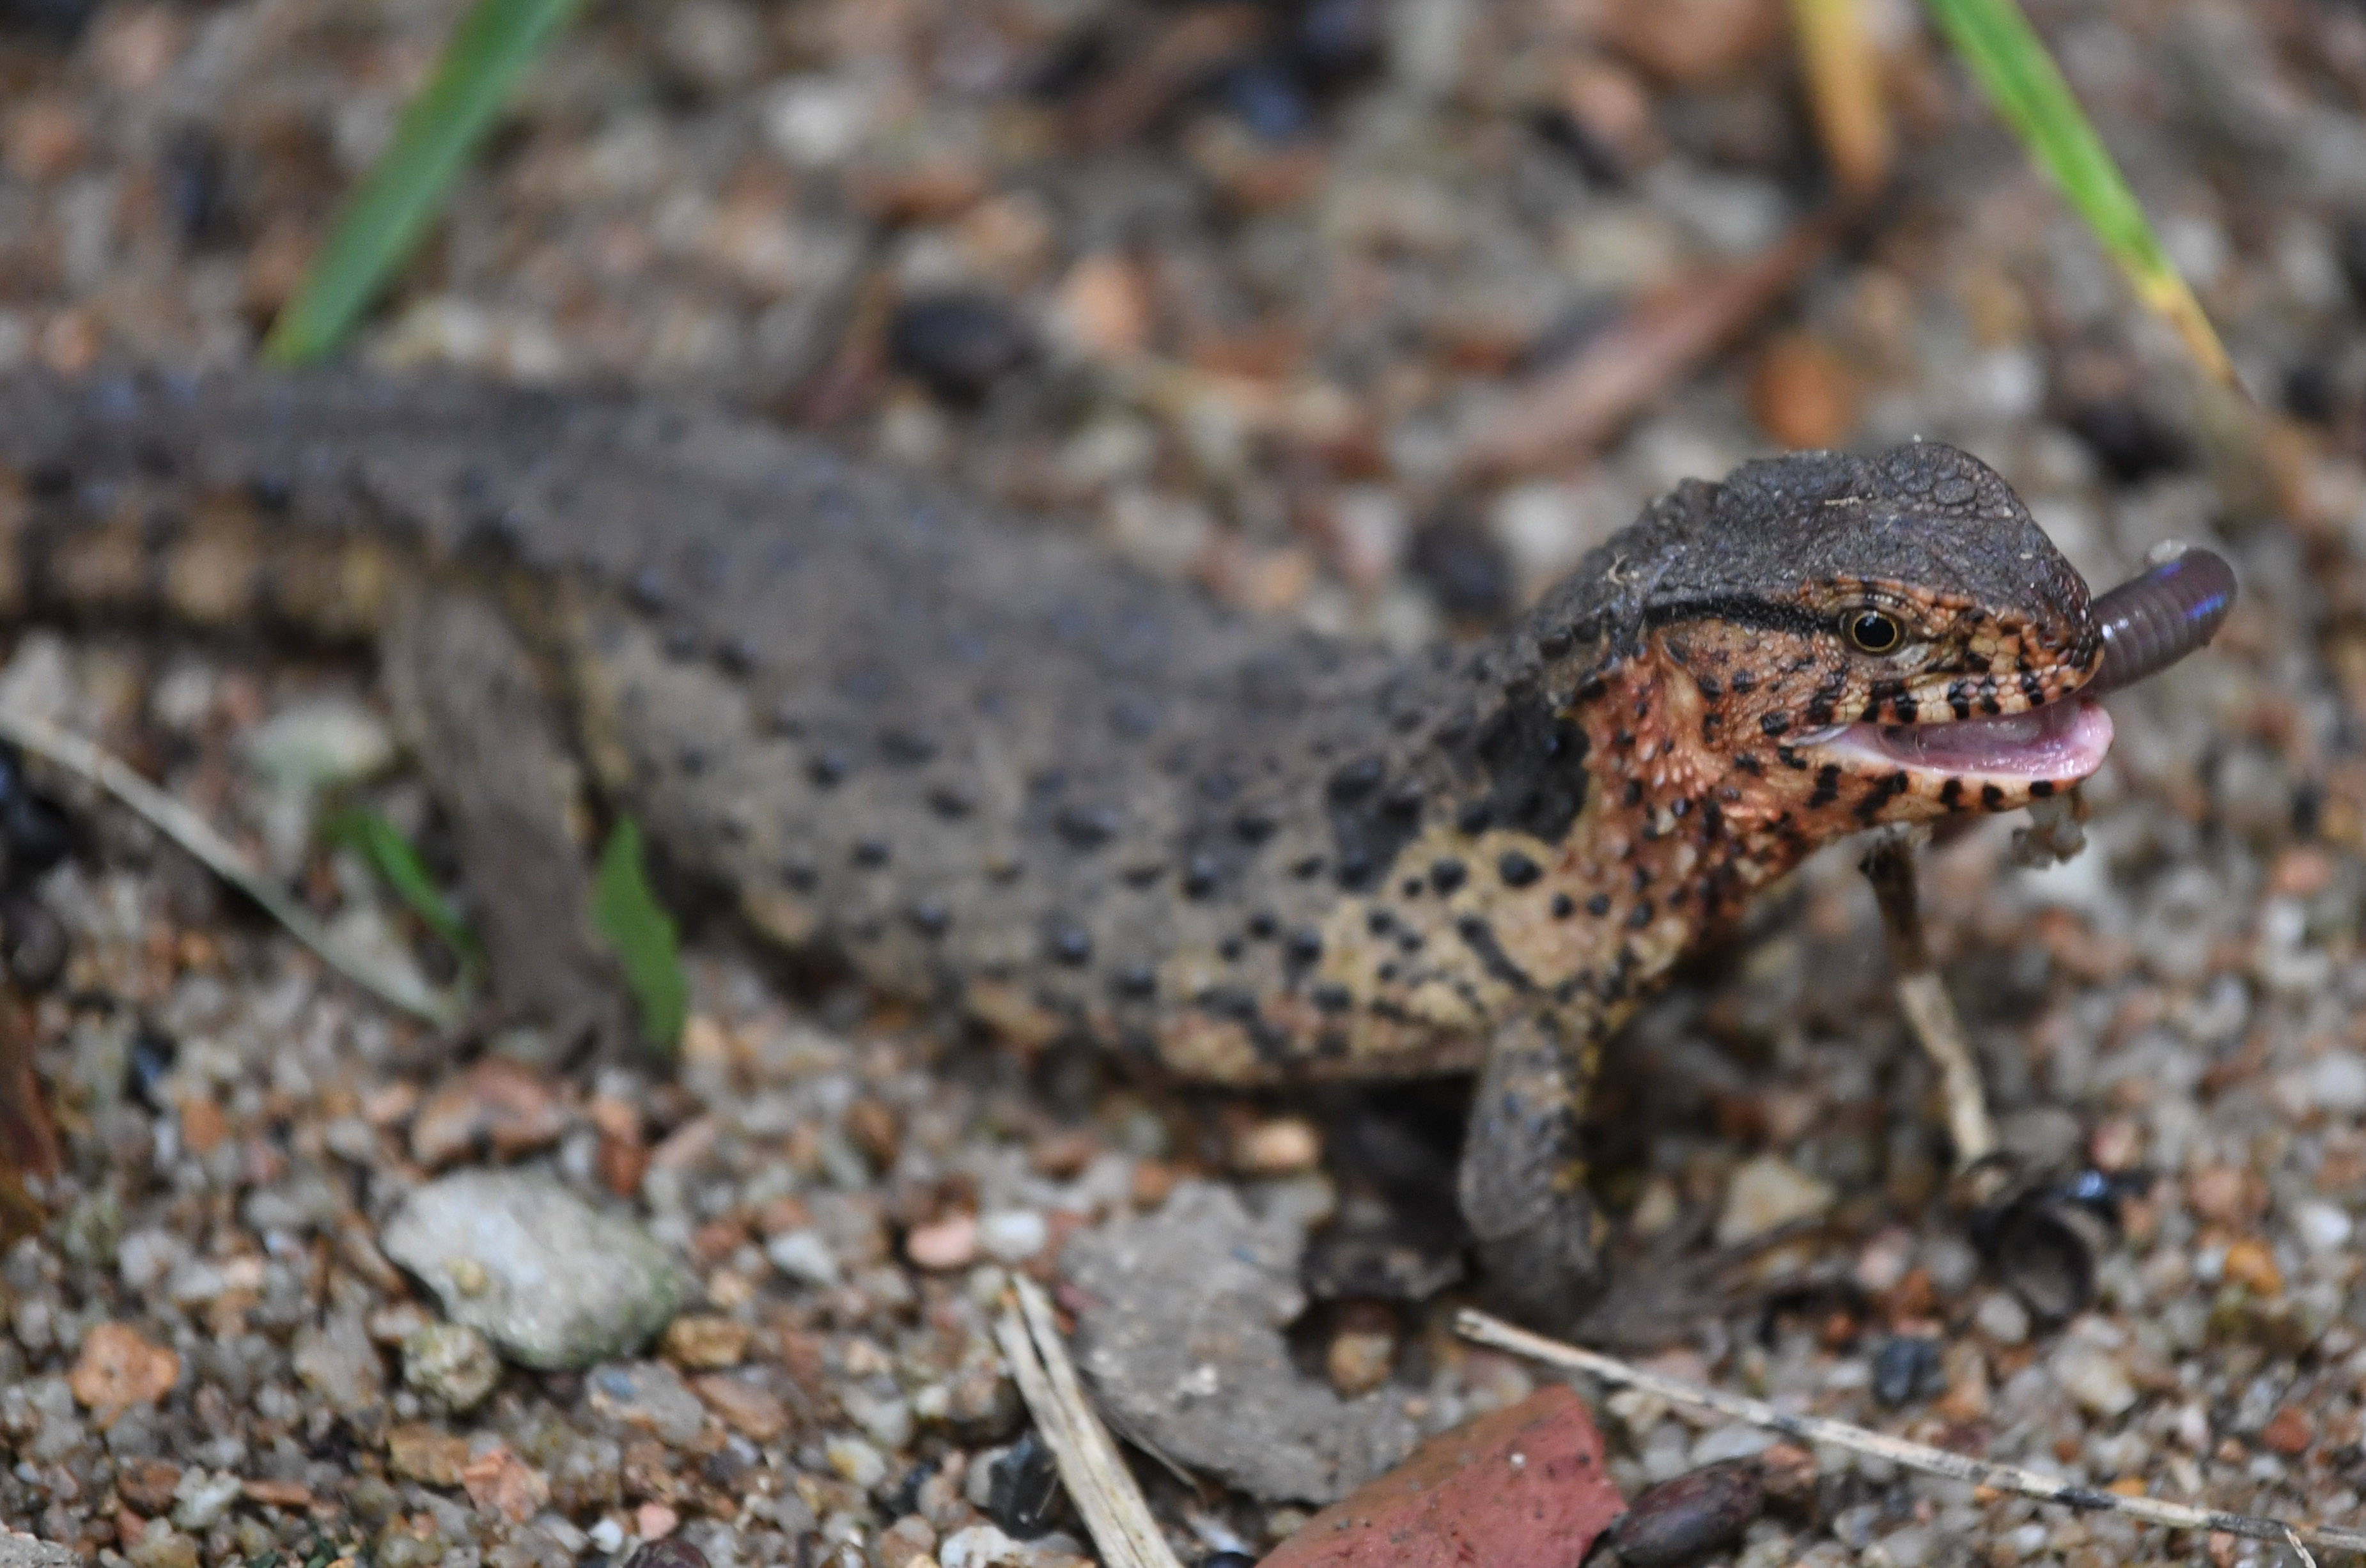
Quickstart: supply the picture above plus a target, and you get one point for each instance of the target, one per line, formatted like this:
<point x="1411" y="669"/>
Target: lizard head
<point x="1839" y="642"/>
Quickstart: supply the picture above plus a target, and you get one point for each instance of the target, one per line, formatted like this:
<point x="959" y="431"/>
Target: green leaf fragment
<point x="643" y="934"/>
<point x="381" y="844"/>
<point x="2020" y="77"/>
<point x="386" y="218"/>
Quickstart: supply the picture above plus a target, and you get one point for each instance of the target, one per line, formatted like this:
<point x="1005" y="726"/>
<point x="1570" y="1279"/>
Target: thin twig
<point x="85" y="759"/>
<point x="1930" y="1013"/>
<point x="1559" y="419"/>
<point x="1843" y="73"/>
<point x="1491" y="1331"/>
<point x="1116" y="1515"/>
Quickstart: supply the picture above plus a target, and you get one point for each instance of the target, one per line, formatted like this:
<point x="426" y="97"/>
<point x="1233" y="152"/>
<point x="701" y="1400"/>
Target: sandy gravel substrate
<point x="1250" y="292"/>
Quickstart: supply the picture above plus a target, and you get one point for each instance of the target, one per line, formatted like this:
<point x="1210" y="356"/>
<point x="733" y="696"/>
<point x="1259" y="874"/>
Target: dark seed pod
<point x="2152" y="620"/>
<point x="2043" y="1244"/>
<point x="1689" y="1516"/>
<point x="671" y="1553"/>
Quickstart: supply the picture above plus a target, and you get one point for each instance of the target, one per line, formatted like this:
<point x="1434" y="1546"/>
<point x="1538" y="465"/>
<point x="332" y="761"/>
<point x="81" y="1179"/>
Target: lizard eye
<point x="1871" y="631"/>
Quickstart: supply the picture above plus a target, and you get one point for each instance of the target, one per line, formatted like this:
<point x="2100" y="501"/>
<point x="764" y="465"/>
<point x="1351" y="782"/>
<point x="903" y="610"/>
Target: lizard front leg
<point x="471" y="704"/>
<point x="1522" y="1183"/>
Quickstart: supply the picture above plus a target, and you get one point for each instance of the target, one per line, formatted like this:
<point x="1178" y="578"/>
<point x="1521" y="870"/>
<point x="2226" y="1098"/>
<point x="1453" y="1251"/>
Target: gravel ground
<point x="1243" y="289"/>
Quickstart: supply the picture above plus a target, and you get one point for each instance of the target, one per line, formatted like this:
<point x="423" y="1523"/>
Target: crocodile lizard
<point x="991" y="768"/>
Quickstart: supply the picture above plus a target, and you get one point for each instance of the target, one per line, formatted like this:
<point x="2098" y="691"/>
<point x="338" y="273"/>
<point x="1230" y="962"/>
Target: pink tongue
<point x="2061" y="740"/>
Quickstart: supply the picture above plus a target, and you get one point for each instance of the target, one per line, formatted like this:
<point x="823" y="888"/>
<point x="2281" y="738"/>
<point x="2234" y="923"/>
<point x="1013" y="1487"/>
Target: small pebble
<point x="1909" y="1548"/>
<point x="2094" y="1377"/>
<point x="1362" y="1353"/>
<point x="1282" y="1147"/>
<point x="745" y="1407"/>
<point x="451" y="1365"/>
<point x="1882" y="1262"/>
<point x="1735" y="1439"/>
<point x="2289" y="1432"/>
<point x="948" y="1243"/>
<point x="703" y="1342"/>
<point x="550" y="1280"/>
<point x="495" y="1104"/>
<point x="317" y="744"/>
<point x="887" y="1422"/>
<point x="2324" y="1227"/>
<point x="907" y="1543"/>
<point x="803" y="1255"/>
<point x="2251" y="1264"/>
<point x="119" y="1368"/>
<point x="1012" y="1235"/>
<point x="1906" y="1368"/>
<point x="1802" y="394"/>
<point x="162" y="1546"/>
<point x="2118" y="1143"/>
<point x="957" y="345"/>
<point x="647" y="1395"/>
<point x="855" y="1460"/>
<point x="1767" y="1193"/>
<point x="1103" y="311"/>
<point x="201" y="1500"/>
<point x="2001" y="1318"/>
<point x="2336" y="1083"/>
<point x="1969" y="1393"/>
<point x="1697" y="43"/>
<point x="147" y="1484"/>
<point x="2225" y="1193"/>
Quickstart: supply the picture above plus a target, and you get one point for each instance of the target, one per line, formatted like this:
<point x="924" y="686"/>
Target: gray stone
<point x="1183" y="1341"/>
<point x="550" y="1280"/>
<point x="339" y="1363"/>
<point x="649" y="1396"/>
<point x="30" y="1551"/>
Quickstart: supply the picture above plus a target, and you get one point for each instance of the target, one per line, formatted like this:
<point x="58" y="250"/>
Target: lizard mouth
<point x="2059" y="742"/>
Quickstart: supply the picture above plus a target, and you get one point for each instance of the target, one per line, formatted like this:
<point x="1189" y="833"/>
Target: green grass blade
<point x="643" y="934"/>
<point x="381" y="844"/>
<point x="2012" y="65"/>
<point x="388" y="215"/>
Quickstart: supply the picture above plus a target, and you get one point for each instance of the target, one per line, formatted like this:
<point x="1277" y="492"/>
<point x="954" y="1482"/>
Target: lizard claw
<point x="1522" y="1186"/>
<point x="1549" y="1275"/>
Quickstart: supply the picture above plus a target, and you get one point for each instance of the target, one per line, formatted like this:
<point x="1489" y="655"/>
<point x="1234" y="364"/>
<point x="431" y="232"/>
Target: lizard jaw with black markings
<point x="2058" y="744"/>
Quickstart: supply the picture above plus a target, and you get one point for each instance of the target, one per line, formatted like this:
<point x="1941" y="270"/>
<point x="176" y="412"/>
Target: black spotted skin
<point x="994" y="769"/>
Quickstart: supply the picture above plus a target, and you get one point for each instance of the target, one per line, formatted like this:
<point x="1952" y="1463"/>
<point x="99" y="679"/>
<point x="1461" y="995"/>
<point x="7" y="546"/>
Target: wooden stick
<point x="1116" y="1514"/>
<point x="85" y="759"/>
<point x="1930" y="1013"/>
<point x="1483" y="1329"/>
